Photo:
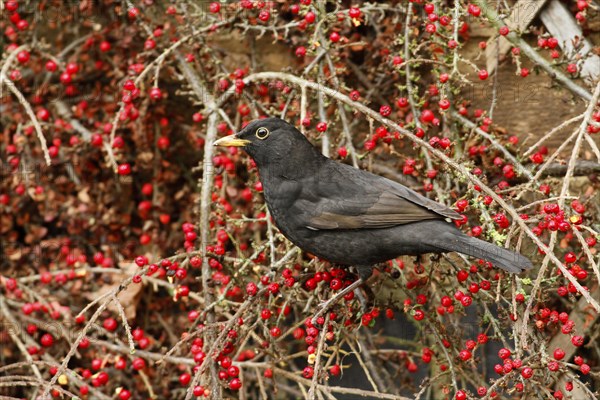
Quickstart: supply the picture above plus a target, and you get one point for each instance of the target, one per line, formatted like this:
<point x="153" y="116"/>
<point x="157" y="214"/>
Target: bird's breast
<point x="289" y="210"/>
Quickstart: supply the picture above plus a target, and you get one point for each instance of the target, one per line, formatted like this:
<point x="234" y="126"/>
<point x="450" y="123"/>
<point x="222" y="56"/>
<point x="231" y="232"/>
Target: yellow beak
<point x="231" y="141"/>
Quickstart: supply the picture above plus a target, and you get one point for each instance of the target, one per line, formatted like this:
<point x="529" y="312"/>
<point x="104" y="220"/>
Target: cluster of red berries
<point x="546" y="317"/>
<point x="538" y="156"/>
<point x="381" y="133"/>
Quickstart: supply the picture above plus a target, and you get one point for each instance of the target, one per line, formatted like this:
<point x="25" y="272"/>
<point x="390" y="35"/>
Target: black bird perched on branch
<point x="349" y="216"/>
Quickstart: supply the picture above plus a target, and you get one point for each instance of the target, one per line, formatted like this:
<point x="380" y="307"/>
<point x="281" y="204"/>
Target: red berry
<point x="504" y="353"/>
<point x="72" y="68"/>
<point x="141" y="261"/>
<point x="124" y="169"/>
<point x="444" y="104"/>
<point x="23" y="56"/>
<point x="163" y="142"/>
<point x="336" y="284"/>
<point x="466" y="301"/>
<point x="385" y="110"/>
<point x="402" y="102"/>
<point x="474" y="10"/>
<point x="585" y="369"/>
<point x="354" y="12"/>
<point x="418" y="315"/>
<point x="520" y="298"/>
<point x="482" y="338"/>
<point x="476" y="231"/>
<point x="155" y="93"/>
<point x="185" y="378"/>
<point x="129" y="85"/>
<point x="577" y="340"/>
<point x="553" y="366"/>
<point x="464" y="355"/>
<point x="427" y="116"/>
<point x="235" y="384"/>
<point x="370" y="144"/>
<point x="310" y="17"/>
<point x="335" y="370"/>
<point x="266" y="314"/>
<point x="43" y="114"/>
<point x="308" y="372"/>
<point x="275" y="332"/>
<point x="110" y="324"/>
<point x="104" y="46"/>
<point x="559" y="354"/>
<point x="233" y="371"/>
<point x="570" y="257"/>
<point x="138" y="364"/>
<point x="51" y="66"/>
<point x="133" y="12"/>
<point x="47" y="340"/>
<point x="446" y="301"/>
<point x="11" y="5"/>
<point x="197" y="117"/>
<point x="264" y="15"/>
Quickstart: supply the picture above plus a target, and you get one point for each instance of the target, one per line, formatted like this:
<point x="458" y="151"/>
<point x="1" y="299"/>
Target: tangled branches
<point x="138" y="262"/>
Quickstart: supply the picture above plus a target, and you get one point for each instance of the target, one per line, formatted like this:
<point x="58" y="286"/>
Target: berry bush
<point x="140" y="262"/>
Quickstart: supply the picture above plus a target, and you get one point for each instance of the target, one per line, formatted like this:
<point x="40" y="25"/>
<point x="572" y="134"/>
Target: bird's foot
<point x="435" y="258"/>
<point x="324" y="307"/>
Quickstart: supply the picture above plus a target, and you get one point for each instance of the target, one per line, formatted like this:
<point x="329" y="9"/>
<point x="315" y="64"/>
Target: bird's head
<point x="270" y="141"/>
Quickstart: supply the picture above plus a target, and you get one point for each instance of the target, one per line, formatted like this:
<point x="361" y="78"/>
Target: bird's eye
<point x="262" y="133"/>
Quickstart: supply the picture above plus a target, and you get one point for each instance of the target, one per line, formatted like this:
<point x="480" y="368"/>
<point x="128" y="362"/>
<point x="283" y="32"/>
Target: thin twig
<point x="23" y="101"/>
<point x="317" y="367"/>
<point x="12" y="328"/>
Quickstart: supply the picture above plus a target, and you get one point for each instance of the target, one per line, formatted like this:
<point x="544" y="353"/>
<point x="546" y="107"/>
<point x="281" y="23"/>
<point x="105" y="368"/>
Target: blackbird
<point x="349" y="216"/>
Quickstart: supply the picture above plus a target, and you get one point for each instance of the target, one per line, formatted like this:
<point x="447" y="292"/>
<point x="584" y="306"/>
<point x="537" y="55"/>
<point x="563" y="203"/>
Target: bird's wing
<point x="348" y="198"/>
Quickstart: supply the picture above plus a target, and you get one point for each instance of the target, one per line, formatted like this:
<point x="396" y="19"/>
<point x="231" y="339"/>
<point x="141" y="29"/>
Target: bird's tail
<point x="506" y="259"/>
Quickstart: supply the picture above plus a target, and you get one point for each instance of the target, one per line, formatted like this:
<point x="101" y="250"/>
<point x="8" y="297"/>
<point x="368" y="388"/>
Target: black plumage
<point x="350" y="216"/>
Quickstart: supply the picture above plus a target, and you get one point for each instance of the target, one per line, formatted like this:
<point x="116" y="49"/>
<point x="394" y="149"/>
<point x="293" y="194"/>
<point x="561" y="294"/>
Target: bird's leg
<point x="326" y="305"/>
<point x="364" y="271"/>
<point x="361" y="299"/>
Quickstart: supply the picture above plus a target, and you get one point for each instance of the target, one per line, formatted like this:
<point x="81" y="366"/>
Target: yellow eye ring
<point x="262" y="133"/>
